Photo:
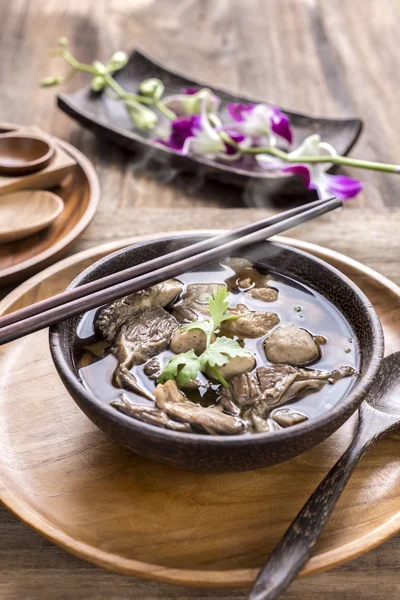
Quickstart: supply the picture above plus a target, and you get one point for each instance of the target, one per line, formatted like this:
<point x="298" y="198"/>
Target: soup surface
<point x="288" y="317"/>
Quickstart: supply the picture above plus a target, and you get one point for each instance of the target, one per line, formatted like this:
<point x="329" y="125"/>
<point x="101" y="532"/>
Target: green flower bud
<point x="142" y="116"/>
<point x="154" y="88"/>
<point x="117" y="61"/>
<point x="192" y="103"/>
<point x="51" y="80"/>
<point x="100" y="68"/>
<point x="63" y="42"/>
<point x="98" y="83"/>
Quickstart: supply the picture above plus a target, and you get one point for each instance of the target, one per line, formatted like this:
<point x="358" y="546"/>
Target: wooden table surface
<point x="331" y="58"/>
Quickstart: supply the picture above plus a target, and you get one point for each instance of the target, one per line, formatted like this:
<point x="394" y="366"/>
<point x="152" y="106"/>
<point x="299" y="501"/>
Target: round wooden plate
<point x="80" y="193"/>
<point x="65" y="478"/>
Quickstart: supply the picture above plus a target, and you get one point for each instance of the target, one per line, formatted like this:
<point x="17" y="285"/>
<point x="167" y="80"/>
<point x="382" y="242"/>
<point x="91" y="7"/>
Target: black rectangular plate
<point x="107" y="117"/>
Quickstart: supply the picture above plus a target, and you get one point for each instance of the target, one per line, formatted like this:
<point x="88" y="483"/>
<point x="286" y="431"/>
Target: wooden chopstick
<point x="146" y="267"/>
<point x="94" y="295"/>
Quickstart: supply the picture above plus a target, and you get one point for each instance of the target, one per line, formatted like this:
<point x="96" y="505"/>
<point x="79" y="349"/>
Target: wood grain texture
<point x="333" y="58"/>
<point x="74" y="484"/>
<point x="21" y="154"/>
<point x="25" y="213"/>
<point x="325" y="58"/>
<point x="379" y="416"/>
<point x="62" y="164"/>
<point x="33" y="568"/>
<point x="80" y="194"/>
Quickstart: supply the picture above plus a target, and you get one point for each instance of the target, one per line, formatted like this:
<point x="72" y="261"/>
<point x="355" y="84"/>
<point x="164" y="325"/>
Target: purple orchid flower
<point x="181" y="129"/>
<point x="196" y="135"/>
<point x="189" y="91"/>
<point x="236" y="137"/>
<point x="314" y="174"/>
<point x="260" y="120"/>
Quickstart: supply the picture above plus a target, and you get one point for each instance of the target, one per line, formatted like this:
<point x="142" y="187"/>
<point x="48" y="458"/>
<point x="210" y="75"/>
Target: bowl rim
<point x="345" y="406"/>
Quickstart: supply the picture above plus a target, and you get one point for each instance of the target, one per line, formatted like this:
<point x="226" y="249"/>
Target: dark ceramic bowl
<point x="234" y="453"/>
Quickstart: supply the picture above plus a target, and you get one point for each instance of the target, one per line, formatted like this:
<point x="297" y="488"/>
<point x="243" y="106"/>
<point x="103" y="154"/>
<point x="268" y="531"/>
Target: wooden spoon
<point x="25" y="213"/>
<point x="22" y="153"/>
<point x="379" y="416"/>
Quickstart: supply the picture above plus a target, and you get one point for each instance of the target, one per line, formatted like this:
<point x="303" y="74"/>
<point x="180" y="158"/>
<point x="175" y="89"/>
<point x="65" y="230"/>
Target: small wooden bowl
<point x="25" y="213"/>
<point x="198" y="452"/>
<point x="22" y="153"/>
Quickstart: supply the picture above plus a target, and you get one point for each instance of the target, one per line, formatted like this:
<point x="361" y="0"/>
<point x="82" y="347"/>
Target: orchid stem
<point x="101" y="71"/>
<point x="78" y="66"/>
<point x="114" y="85"/>
<point x="337" y="160"/>
<point x="126" y="95"/>
<point x="227" y="138"/>
<point x="165" y="110"/>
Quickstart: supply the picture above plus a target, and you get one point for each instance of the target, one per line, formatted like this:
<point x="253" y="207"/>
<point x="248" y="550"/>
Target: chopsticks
<point x="112" y="287"/>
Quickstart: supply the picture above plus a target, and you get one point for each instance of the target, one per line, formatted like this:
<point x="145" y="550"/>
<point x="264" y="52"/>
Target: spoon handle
<point x="296" y="546"/>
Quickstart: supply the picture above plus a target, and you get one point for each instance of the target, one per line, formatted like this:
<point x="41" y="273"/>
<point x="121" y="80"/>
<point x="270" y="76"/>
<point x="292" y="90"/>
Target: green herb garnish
<point x="186" y="366"/>
<point x="183" y="368"/>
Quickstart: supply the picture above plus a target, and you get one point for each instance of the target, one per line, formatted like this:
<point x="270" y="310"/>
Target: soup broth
<point x="294" y="303"/>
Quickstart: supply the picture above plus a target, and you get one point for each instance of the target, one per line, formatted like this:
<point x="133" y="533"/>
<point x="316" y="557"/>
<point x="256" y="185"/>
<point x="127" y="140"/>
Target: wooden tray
<point x="65" y="478"/>
<point x="80" y="192"/>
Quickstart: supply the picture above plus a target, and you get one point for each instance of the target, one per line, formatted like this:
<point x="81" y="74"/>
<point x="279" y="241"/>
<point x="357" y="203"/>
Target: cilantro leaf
<point x="219" y="352"/>
<point x="182" y="367"/>
<point x="218" y="306"/>
<point x="205" y="325"/>
<point x="185" y="367"/>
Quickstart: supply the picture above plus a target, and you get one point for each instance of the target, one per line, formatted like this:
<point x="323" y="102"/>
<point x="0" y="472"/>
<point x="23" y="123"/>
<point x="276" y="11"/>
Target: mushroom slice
<point x="194" y="301"/>
<point x="237" y="263"/>
<point x="250" y="324"/>
<point x="124" y="379"/>
<point x="262" y="424"/>
<point x="234" y="367"/>
<point x="142" y="336"/>
<point x="247" y="278"/>
<point x="116" y="314"/>
<point x="212" y="420"/>
<point x="259" y="392"/>
<point x="152" y="368"/>
<point x="338" y="374"/>
<point x="194" y="339"/>
<point x="300" y="388"/>
<point x="291" y="345"/>
<point x="286" y="417"/>
<point x="243" y="390"/>
<point x="266" y="294"/>
<point x="153" y="416"/>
